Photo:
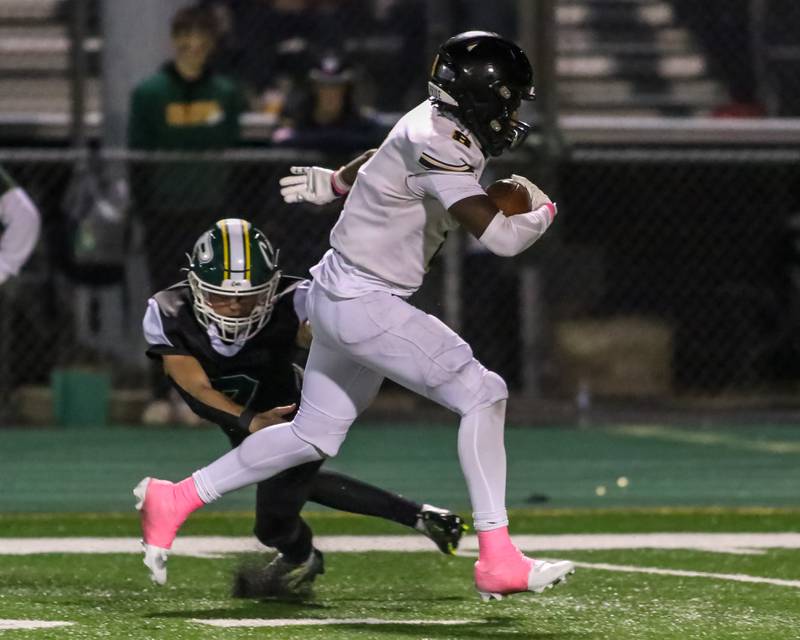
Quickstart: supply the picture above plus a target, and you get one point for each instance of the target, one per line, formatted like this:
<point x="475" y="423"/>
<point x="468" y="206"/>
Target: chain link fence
<point x="669" y="273"/>
<point x="673" y="270"/>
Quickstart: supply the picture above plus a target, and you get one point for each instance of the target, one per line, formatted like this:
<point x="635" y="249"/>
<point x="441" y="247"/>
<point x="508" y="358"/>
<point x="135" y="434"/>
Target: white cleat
<point x="542" y="575"/>
<point x="140" y="491"/>
<point x="155" y="559"/>
<point x="545" y="574"/>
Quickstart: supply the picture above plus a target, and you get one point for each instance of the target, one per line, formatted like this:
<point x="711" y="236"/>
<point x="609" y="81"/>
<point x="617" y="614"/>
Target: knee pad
<point x="322" y="431"/>
<point x="470" y="387"/>
<point x="492" y="389"/>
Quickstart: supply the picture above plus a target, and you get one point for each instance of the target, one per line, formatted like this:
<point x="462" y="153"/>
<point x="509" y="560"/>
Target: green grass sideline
<point x="543" y="521"/>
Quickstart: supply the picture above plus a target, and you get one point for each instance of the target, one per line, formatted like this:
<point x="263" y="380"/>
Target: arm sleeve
<point x="509" y="236"/>
<point x="235" y="427"/>
<point x="21" y="221"/>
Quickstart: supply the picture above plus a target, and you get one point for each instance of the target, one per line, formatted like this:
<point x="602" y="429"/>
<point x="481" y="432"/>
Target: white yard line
<point x="316" y="622"/>
<point x="206" y="546"/>
<point x="213" y="546"/>
<point x="32" y="624"/>
<point x="736" y="577"/>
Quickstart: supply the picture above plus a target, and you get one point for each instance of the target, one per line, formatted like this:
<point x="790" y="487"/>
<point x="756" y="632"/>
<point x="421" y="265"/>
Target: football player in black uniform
<point x="228" y="338"/>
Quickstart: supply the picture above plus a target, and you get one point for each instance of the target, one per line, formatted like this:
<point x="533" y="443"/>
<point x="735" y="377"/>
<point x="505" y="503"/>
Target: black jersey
<point x="259" y="376"/>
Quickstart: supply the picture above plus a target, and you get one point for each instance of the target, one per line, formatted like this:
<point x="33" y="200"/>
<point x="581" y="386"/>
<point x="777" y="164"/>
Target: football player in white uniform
<point x="19" y="227"/>
<point x="420" y="183"/>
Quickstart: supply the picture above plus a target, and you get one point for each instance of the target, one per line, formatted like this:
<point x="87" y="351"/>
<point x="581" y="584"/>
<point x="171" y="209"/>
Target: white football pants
<point x="357" y="343"/>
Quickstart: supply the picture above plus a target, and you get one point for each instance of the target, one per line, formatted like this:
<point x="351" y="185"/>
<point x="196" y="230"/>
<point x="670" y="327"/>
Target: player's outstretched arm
<point x="318" y="185"/>
<point x="191" y="381"/>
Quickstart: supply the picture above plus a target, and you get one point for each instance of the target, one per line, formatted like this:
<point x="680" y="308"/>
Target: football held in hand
<point x="509" y="196"/>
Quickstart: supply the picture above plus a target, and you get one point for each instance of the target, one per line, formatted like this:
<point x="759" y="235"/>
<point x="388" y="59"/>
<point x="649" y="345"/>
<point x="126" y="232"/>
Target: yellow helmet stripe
<point x="246" y="240"/>
<point x="226" y="253"/>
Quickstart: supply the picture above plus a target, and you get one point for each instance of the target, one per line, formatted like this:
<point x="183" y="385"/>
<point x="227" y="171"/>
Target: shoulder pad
<point x="449" y="149"/>
<point x="171" y="301"/>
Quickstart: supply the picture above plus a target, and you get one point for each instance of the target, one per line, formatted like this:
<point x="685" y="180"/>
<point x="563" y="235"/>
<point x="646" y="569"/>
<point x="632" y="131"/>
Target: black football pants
<point x="280" y="499"/>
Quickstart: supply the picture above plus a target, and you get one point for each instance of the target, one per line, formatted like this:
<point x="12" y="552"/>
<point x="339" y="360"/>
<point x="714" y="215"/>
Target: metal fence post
<point x="78" y="71"/>
<point x="537" y="33"/>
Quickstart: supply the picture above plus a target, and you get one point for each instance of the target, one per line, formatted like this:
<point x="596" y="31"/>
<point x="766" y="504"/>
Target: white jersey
<point x="395" y="218"/>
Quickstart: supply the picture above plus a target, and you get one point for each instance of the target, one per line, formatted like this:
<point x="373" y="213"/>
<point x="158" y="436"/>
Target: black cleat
<point x="442" y="526"/>
<point x="279" y="579"/>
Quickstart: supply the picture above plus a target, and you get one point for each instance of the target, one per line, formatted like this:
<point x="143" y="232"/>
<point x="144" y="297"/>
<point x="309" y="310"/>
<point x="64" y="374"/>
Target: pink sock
<point x="500" y="568"/>
<point x="495" y="544"/>
<point x="186" y="496"/>
<point x="165" y="508"/>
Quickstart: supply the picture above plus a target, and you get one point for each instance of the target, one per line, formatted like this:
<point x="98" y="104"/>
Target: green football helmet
<point x="234" y="275"/>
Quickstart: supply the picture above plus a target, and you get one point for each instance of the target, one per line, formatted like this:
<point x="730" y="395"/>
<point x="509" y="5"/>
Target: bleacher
<point x="35" y="67"/>
<point x="630" y="57"/>
<point x="615" y="57"/>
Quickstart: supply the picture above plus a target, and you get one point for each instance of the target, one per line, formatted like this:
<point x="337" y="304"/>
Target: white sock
<point x="261" y="456"/>
<point x="482" y="453"/>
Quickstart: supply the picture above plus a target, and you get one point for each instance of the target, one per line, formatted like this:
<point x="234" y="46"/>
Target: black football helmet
<point x="482" y="78"/>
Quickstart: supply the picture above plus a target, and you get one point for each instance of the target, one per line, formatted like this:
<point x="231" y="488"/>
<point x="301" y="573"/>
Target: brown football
<point x="509" y="196"/>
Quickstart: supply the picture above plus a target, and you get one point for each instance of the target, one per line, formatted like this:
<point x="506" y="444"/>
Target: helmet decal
<point x="203" y="249"/>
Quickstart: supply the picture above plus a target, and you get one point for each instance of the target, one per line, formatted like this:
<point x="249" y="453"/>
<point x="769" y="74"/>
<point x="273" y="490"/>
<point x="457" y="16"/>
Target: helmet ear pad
<point x="489" y="115"/>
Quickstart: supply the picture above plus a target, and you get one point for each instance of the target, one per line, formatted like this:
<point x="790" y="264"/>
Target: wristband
<point x="340" y="188"/>
<point x="245" y="418"/>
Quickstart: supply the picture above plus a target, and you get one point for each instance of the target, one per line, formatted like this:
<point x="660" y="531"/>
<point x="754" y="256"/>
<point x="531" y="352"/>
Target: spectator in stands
<point x="271" y="66"/>
<point x="393" y="50"/>
<point x="19" y="227"/>
<point x="187" y="107"/>
<point x="722" y="28"/>
<point x="323" y="113"/>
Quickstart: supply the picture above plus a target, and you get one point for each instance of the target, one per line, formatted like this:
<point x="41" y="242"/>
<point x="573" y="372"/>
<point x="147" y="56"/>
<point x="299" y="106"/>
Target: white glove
<point x="538" y="197"/>
<point x="308" y="184"/>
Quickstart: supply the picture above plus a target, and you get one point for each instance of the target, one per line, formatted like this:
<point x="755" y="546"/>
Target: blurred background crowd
<point x="665" y="129"/>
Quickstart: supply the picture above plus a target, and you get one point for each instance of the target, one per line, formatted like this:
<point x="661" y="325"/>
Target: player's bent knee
<point x="472" y="387"/>
<point x="495" y="388"/>
<point x="492" y="390"/>
<point x="326" y="442"/>
<point x="321" y="430"/>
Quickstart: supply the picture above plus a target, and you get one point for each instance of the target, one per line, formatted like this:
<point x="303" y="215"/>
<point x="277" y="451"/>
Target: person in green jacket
<point x="186" y="107"/>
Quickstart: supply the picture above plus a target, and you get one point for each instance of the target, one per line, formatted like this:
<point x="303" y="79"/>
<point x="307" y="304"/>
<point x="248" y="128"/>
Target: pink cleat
<point x="163" y="506"/>
<point x="502" y="569"/>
